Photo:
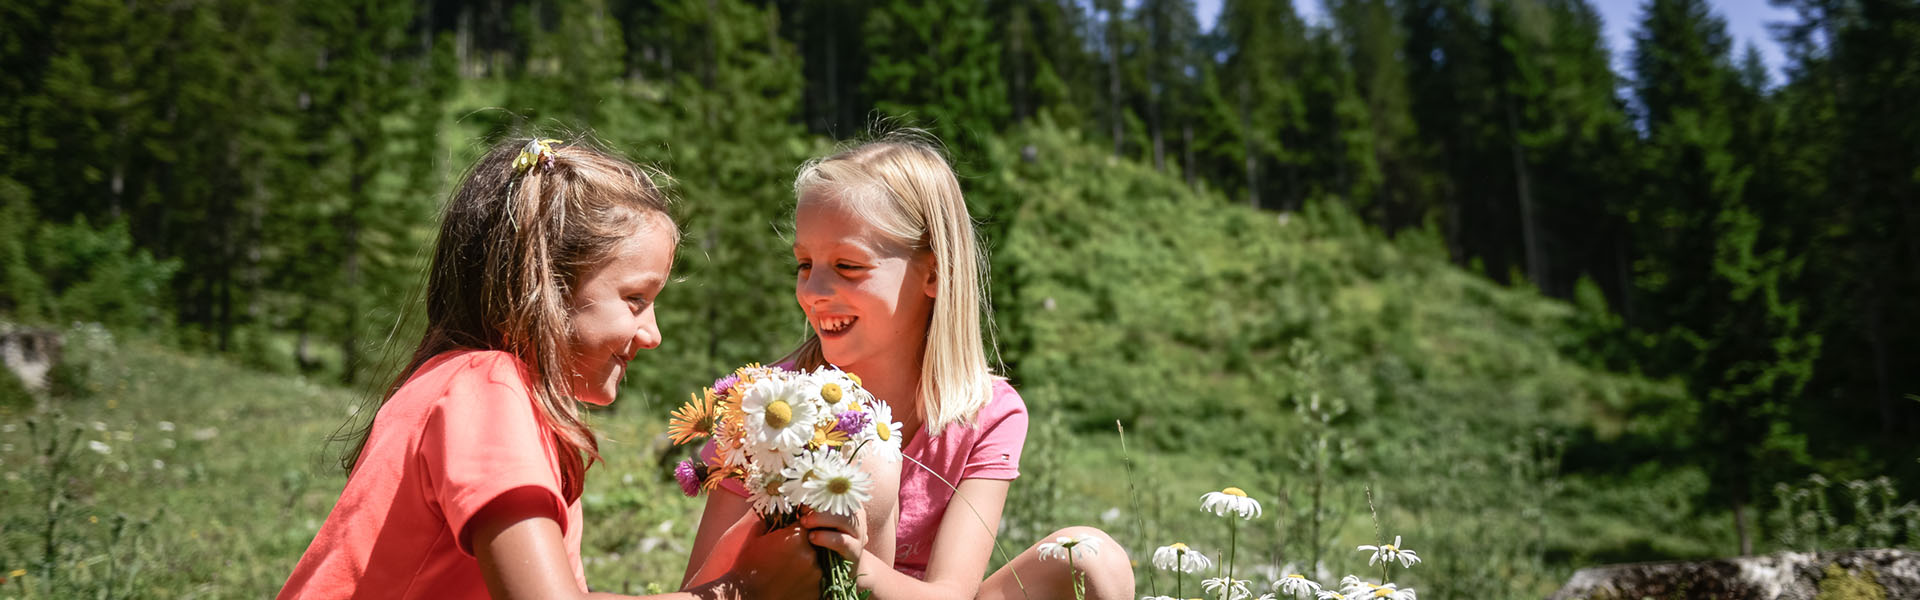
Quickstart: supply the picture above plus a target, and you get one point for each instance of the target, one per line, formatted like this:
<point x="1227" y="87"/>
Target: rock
<point x="1849" y="575"/>
<point x="30" y="353"/>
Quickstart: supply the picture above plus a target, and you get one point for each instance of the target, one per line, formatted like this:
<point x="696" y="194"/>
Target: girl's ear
<point x="931" y="266"/>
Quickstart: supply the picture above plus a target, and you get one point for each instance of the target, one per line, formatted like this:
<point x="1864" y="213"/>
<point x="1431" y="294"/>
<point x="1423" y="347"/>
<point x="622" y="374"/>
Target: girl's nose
<point x="812" y="288"/>
<point x="647" y="337"/>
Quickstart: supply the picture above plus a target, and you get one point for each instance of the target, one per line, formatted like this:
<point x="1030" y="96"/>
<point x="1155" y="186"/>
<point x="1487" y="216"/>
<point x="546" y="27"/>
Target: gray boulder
<point x="1847" y="575"/>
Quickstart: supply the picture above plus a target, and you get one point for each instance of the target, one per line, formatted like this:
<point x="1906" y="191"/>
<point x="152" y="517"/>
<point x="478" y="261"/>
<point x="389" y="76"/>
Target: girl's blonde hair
<point x="904" y="186"/>
<point x="514" y="241"/>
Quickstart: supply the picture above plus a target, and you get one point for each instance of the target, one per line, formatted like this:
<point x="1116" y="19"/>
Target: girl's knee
<point x="1108" y="570"/>
<point x="1109" y="556"/>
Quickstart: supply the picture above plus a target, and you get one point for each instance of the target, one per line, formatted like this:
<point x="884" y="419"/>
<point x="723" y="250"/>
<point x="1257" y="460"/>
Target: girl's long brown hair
<point x="511" y="248"/>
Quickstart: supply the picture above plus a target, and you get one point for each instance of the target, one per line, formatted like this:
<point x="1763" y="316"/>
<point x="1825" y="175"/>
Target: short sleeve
<point x="481" y="441"/>
<point x="1002" y="431"/>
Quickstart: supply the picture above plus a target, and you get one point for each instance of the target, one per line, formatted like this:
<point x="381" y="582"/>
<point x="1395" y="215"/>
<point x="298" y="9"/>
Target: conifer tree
<point x="1706" y="264"/>
<point x="938" y="63"/>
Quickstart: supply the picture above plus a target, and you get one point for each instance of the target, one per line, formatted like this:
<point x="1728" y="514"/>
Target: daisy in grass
<point x="1228" y="588"/>
<point x="1235" y="501"/>
<point x="1072" y="549"/>
<point x="1076" y="548"/>
<point x="1298" y="586"/>
<point x="1390" y="553"/>
<point x="1178" y="557"/>
<point x="1330" y="595"/>
<point x="1230" y="500"/>
<point x="1181" y="560"/>
<point x="1353" y="586"/>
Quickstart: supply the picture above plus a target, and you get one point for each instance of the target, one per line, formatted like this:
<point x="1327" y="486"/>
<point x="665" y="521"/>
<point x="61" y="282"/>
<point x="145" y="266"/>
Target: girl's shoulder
<point x="464" y="373"/>
<point x="1004" y="401"/>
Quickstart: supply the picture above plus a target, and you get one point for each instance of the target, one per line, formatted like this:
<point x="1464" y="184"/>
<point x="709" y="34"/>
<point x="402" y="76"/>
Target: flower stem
<point x="1079" y="589"/>
<point x="1233" y="527"/>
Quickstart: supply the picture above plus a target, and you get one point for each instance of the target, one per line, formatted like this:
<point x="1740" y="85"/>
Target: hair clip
<point x="537" y="152"/>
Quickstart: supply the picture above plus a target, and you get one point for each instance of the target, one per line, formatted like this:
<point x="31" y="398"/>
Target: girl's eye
<point x="847" y="267"/>
<point x="803" y="267"/>
<point x="638" y="302"/>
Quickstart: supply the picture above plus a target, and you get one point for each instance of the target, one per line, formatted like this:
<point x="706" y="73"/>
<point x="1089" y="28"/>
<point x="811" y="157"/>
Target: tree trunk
<point x="1113" y="76"/>
<point x="1740" y="523"/>
<point x="1251" y="162"/>
<point x="1536" y="270"/>
<point x="1187" y="165"/>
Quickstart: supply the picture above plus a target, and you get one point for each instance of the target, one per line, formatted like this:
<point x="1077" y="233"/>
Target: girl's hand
<point x="776" y="564"/>
<point x="846" y="536"/>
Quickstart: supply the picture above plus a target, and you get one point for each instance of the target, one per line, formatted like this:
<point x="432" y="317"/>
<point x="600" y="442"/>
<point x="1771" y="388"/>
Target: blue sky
<point x="1746" y="21"/>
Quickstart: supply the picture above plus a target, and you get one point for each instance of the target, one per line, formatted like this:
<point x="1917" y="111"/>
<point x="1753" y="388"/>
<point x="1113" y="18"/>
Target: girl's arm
<point x="961" y="548"/>
<point x="718" y="542"/>
<point x="522" y="554"/>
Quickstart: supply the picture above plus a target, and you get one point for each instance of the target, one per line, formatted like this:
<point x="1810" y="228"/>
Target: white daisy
<point x="837" y="487"/>
<point x="1390" y="553"/>
<point x="1230" y="589"/>
<point x="1232" y="500"/>
<point x="1298" y="586"/>
<point x="767" y="491"/>
<point x="1179" y="557"/>
<point x="834" y="388"/>
<point x="1353" y="586"/>
<point x="1330" y="595"/>
<point x="1385" y="592"/>
<point x="799" y="469"/>
<point x="882" y="435"/>
<point x="1081" y="548"/>
<point x="779" y="415"/>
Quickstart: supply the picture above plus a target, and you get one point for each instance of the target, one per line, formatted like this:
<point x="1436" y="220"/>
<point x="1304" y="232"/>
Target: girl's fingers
<point x="847" y="546"/>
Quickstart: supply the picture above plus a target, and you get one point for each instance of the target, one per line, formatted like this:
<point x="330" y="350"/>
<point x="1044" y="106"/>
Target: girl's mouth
<point x="834" y="325"/>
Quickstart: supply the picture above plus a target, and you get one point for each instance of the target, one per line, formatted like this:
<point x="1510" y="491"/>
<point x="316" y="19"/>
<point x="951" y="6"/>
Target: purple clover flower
<point x="689" y="476"/>
<point x="851" y="422"/>
<point x="721" y="385"/>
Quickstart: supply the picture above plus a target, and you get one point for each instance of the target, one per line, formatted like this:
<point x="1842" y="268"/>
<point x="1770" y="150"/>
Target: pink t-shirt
<point x="460" y="432"/>
<point x="990" y="449"/>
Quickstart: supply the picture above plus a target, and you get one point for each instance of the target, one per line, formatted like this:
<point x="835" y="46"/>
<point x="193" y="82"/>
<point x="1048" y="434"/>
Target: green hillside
<point x="1289" y="354"/>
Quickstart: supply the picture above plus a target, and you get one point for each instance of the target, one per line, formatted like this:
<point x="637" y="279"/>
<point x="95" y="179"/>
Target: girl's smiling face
<point x="612" y="311"/>
<point x="865" y="294"/>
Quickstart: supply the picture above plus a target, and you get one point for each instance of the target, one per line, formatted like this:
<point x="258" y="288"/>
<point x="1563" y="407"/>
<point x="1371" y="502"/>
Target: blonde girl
<point x="467" y="482"/>
<point x="890" y="276"/>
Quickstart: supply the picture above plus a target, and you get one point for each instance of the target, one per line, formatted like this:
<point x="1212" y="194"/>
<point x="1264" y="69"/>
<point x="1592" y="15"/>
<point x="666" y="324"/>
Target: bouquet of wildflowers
<point x="793" y="439"/>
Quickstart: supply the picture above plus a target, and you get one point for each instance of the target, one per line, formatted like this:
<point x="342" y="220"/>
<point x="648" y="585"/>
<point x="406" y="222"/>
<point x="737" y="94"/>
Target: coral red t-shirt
<point x="460" y="432"/>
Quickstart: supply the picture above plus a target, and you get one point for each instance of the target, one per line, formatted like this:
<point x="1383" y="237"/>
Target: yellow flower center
<point x="1389" y="548"/>
<point x="772" y="487"/>
<point x="1234" y="491"/>
<point x="1382" y="593"/>
<point x="885" y="431"/>
<point x="831" y="393"/>
<point x="1296" y="576"/>
<point x="855" y="378"/>
<point x="779" y="414"/>
<point x="839" y="485"/>
<point x="1178" y="547"/>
